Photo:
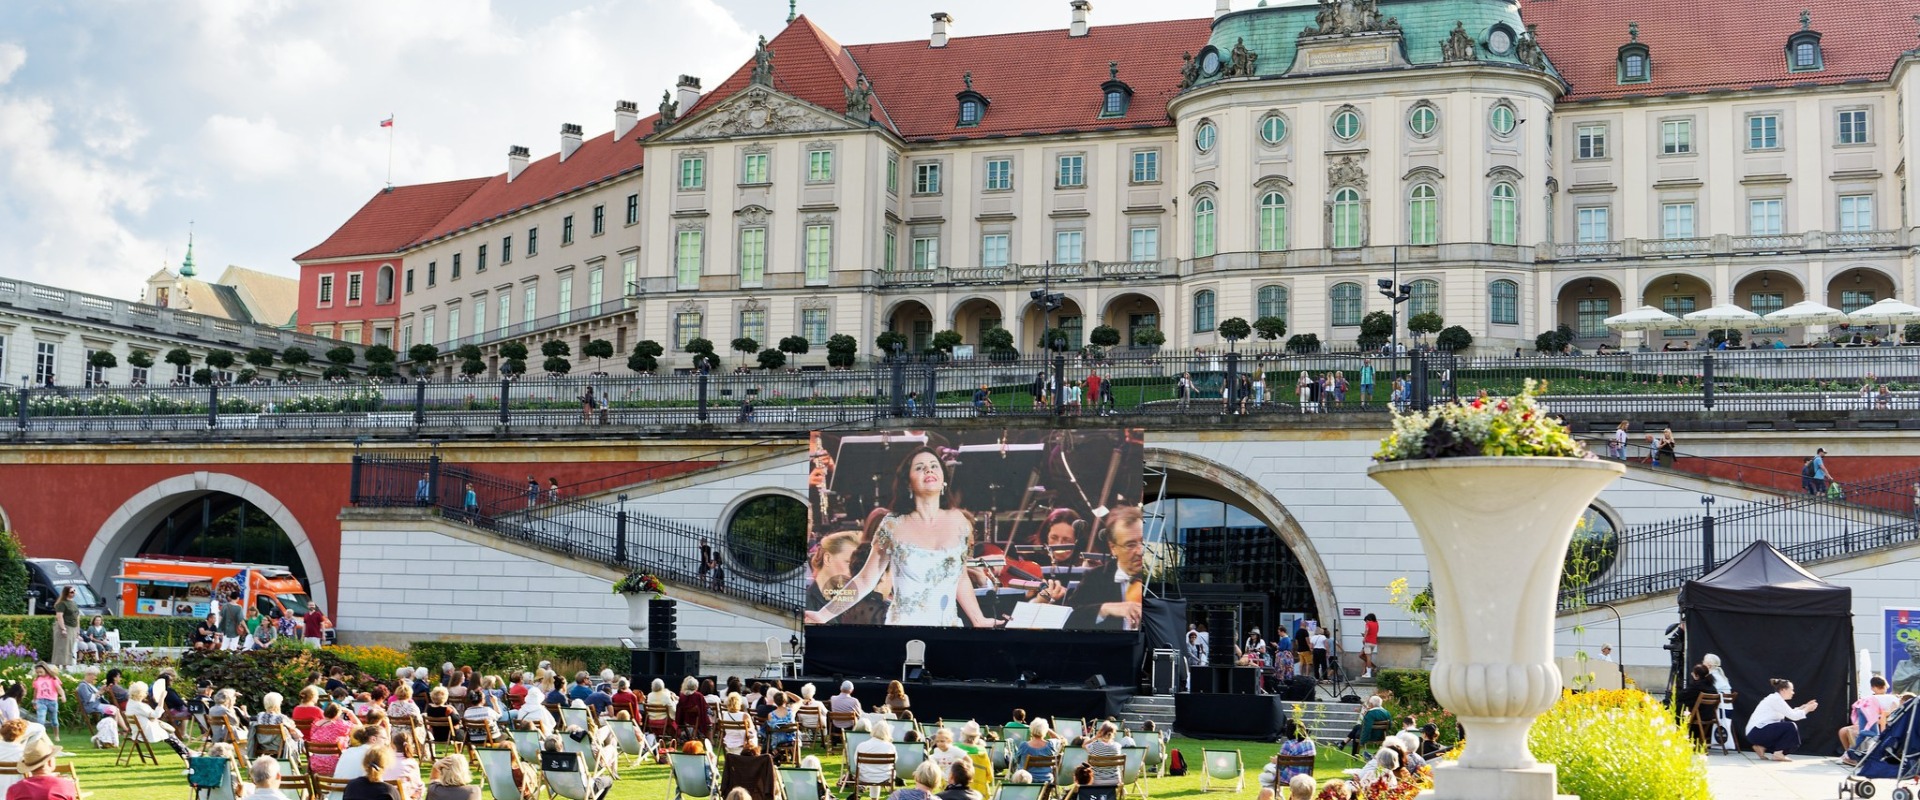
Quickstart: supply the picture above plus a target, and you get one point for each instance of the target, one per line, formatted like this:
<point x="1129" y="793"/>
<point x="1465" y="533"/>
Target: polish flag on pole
<point x="387" y="123"/>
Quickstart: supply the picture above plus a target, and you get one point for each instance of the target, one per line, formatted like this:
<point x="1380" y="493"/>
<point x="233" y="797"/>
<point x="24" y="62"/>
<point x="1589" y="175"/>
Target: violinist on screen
<point x="1108" y="597"/>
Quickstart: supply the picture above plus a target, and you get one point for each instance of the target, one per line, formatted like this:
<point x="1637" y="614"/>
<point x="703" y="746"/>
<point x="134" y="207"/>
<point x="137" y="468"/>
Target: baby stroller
<point x="1893" y="752"/>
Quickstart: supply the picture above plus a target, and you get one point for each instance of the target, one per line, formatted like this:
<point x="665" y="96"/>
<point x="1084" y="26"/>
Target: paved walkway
<point x="1747" y="777"/>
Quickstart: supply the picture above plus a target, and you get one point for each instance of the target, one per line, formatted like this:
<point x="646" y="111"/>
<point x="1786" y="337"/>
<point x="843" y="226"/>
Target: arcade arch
<point x="1130" y="312"/>
<point x="912" y="319"/>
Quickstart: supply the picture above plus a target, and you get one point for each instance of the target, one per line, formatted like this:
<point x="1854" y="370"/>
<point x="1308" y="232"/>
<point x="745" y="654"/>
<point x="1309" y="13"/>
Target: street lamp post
<point x="1706" y="534"/>
<point x="1397" y="293"/>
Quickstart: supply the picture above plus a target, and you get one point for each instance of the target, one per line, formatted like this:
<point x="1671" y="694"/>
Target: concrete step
<point x="1326" y="721"/>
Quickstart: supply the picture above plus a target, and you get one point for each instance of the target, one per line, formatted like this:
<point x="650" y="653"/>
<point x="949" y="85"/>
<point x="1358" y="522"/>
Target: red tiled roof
<point x="807" y="64"/>
<point x="393" y="219"/>
<point x="598" y="159"/>
<point x="1035" y="82"/>
<point x="1740" y="46"/>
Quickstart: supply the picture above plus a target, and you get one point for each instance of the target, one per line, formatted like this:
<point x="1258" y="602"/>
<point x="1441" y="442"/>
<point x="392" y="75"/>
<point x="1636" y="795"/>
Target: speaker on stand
<point x="662" y="627"/>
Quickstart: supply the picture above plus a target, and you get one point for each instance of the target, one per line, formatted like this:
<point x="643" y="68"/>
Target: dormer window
<point x="1115" y="96"/>
<point x="1635" y="62"/>
<point x="973" y="105"/>
<point x="1803" y="47"/>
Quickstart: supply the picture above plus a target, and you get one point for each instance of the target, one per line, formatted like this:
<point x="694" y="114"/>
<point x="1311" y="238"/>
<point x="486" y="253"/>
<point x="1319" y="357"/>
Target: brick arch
<point x="123" y="532"/>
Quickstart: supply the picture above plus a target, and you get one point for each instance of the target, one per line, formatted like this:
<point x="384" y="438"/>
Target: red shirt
<point x="516" y="695"/>
<point x="1372" y="636"/>
<point x="1093" y="388"/>
<point x="315" y="624"/>
<point x="43" y="787"/>
<point x="307" y="714"/>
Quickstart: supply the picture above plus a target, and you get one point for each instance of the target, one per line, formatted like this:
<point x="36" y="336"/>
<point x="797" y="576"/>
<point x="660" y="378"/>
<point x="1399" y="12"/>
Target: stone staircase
<point x="1157" y="709"/>
<point x="1326" y="722"/>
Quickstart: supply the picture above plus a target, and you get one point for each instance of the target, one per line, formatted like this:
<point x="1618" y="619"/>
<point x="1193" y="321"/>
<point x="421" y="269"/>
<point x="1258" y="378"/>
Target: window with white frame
<point x="1504" y="214"/>
<point x="926" y="178"/>
<point x="1346" y="304"/>
<point x="813" y="326"/>
<point x="46" y="363"/>
<point x="1764" y="217"/>
<point x="893" y="173"/>
<point x="693" y="172"/>
<point x="1763" y="131"/>
<point x="753" y="256"/>
<point x="453" y="322"/>
<point x="428" y="329"/>
<point x="529" y="303"/>
<point x="1853" y="127"/>
<point x="96" y="375"/>
<point x="995" y="249"/>
<point x="1593" y="224"/>
<point x="1146" y="166"/>
<point x="754" y="168"/>
<point x="819" y="253"/>
<point x="353" y="287"/>
<point x="1425" y="297"/>
<point x="1069" y="247"/>
<point x="686" y="259"/>
<point x="1676" y="221"/>
<point x="686" y="328"/>
<point x="1143" y="244"/>
<point x="1856" y="213"/>
<point x="1203" y="227"/>
<point x="1676" y="137"/>
<point x="326" y="290"/>
<point x="505" y="317"/>
<point x="629" y="275"/>
<point x="819" y="166"/>
<point x="926" y="252"/>
<point x="1423" y="215"/>
<point x="479" y="315"/>
<point x="595" y="291"/>
<point x="1590" y="141"/>
<point x="999" y="174"/>
<point x="1203" y="311"/>
<point x="1073" y="171"/>
<point x="565" y="305"/>
<point x="890" y="258"/>
<point x="1503" y="302"/>
<point x="1273" y="222"/>
<point x="753" y="325"/>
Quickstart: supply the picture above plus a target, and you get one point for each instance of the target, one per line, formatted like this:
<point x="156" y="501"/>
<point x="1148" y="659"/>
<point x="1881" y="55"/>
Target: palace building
<point x="1517" y="166"/>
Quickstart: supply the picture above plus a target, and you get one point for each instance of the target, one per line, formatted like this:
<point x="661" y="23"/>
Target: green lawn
<point x="105" y="781"/>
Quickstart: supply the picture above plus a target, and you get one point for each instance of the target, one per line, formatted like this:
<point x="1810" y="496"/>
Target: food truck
<point x="187" y="587"/>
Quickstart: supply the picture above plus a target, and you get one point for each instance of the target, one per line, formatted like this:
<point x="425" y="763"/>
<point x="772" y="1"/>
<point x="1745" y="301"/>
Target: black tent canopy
<point x="1767" y="617"/>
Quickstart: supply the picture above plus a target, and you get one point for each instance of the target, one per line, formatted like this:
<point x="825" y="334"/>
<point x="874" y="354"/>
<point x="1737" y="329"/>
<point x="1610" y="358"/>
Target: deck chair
<point x="691" y="779"/>
<point x="477" y="732"/>
<point x="1042" y="762"/>
<point x="220" y="729"/>
<point x="953" y="725"/>
<point x="1116" y="763"/>
<point x="840" y="722"/>
<point x="441" y="733"/>
<point x="1020" y="791"/>
<point x="799" y="783"/>
<point x="1070" y="759"/>
<point x="133" y="744"/>
<point x="721" y="728"/>
<point x="410" y="729"/>
<point x="848" y="743"/>
<point x="496" y="767"/>
<point x="566" y="775"/>
<point x="294" y="780"/>
<point x="907" y="757"/>
<point x="880" y="787"/>
<point x="589" y="755"/>
<point x="628" y="736"/>
<point x="211" y="778"/>
<point x="578" y="717"/>
<point x="526" y="744"/>
<point x="1069" y="729"/>
<point x="327" y="787"/>
<point x="999" y="755"/>
<point x="790" y="751"/>
<point x="1133" y="773"/>
<point x="1223" y="766"/>
<point x="1156" y="757"/>
<point x="900" y="728"/>
<point x="1375" y="736"/>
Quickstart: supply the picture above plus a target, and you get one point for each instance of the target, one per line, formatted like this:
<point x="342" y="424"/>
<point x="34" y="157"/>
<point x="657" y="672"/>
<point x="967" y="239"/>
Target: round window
<point x="1593" y="551"/>
<point x="1503" y="120"/>
<point x="1500" y="40"/>
<point x="767" y="535"/>
<point x="1422" y="121"/>
<point x="1203" y="137"/>
<point x="1273" y="129"/>
<point x="1210" y="63"/>
<point x="1346" y="124"/>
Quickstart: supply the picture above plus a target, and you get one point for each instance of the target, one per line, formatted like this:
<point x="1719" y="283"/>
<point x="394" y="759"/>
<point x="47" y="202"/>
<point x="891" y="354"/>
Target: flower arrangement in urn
<point x="1484" y="426"/>
<point x="639" y="583"/>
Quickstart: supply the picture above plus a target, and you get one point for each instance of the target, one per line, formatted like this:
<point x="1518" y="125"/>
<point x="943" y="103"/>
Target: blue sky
<point x="121" y="120"/>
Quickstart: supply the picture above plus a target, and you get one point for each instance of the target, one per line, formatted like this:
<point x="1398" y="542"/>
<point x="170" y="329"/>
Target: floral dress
<point x="326" y="732"/>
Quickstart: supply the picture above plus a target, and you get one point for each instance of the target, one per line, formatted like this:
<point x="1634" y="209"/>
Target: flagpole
<point x="389" y="149"/>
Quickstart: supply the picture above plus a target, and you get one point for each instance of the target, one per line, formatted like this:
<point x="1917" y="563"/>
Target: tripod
<point x="1339" y="684"/>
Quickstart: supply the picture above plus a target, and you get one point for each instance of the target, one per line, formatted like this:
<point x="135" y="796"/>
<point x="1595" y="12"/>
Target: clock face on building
<point x="1210" y="62"/>
<point x="1500" y="41"/>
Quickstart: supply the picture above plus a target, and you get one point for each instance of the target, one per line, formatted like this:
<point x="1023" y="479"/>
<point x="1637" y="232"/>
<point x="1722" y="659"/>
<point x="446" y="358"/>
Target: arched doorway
<point x="172" y="515"/>
<point x="912" y="320"/>
<point x="1130" y="313"/>
<point x="1679" y="294"/>
<point x="1766" y="291"/>
<point x="973" y="317"/>
<point x="1068" y="319"/>
<point x="1855" y="288"/>
<point x="1226" y="542"/>
<point x="1585" y="303"/>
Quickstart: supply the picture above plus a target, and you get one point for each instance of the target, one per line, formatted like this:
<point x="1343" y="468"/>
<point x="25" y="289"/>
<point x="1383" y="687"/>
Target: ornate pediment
<point x="1346" y="172"/>
<point x="1346" y="17"/>
<point x="758" y="111"/>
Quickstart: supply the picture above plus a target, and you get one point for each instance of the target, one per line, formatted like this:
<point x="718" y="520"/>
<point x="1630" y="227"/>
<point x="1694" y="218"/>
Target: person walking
<point x="587" y="404"/>
<point x="1106" y="396"/>
<point x="423" y="491"/>
<point x="1820" y="476"/>
<point x="1303" y="388"/>
<point x="533" y="492"/>
<point x="470" y="502"/>
<point x="1369" y="644"/>
<point x="1040" y="389"/>
<point x="1366" y="382"/>
<point x="1184" y="389"/>
<point x="1664" y="448"/>
<point x="1093" y="385"/>
<point x="553" y="490"/>
<point x="1617" y="443"/>
<point x="1807" y="482"/>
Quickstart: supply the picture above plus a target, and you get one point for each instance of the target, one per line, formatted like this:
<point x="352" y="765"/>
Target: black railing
<point x="1892" y="492"/>
<point x="604" y="533"/>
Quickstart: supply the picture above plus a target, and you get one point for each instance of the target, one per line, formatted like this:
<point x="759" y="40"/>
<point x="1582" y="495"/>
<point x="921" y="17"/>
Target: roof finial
<point x="1633" y="31"/>
<point x="186" y="264"/>
<point x="968" y="79"/>
<point x="793" y="11"/>
<point x="1806" y="19"/>
<point x="1113" y="70"/>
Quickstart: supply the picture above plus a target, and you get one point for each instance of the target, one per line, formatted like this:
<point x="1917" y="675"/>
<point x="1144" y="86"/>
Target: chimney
<point x="941" y="20"/>
<point x="516" y="161"/>
<point x="1081" y="8"/>
<point x="686" y="93"/>
<point x="569" y="139"/>
<point x="1222" y="8"/>
<point x="626" y="114"/>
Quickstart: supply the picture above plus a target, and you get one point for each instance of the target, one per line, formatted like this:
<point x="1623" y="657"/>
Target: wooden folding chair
<point x="880" y="788"/>
<point x="133" y="744"/>
<point x="327" y="787"/>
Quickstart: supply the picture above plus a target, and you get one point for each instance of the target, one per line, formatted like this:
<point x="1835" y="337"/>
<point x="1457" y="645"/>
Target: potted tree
<point x="1494" y="489"/>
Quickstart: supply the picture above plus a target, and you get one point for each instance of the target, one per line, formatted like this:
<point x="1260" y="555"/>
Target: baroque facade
<point x="1515" y="167"/>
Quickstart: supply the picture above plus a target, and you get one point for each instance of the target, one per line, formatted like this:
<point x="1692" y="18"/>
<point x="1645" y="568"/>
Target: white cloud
<point x="12" y="57"/>
<point x="253" y="149"/>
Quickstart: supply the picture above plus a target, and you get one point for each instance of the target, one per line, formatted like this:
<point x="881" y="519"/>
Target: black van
<point x="48" y="577"/>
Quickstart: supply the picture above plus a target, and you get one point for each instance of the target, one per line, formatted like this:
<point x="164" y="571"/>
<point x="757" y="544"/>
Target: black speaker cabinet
<point x="1220" y="638"/>
<point x="668" y="665"/>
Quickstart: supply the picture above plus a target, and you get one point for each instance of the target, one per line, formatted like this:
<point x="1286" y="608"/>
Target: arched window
<point x="1272" y="302"/>
<point x="1347" y="231"/>
<point x="1273" y="221"/>
<point x="1633" y="68"/>
<point x="1423" y="215"/>
<point x="969" y="112"/>
<point x="1503" y="298"/>
<point x="1203" y="228"/>
<point x="383" y="285"/>
<point x="1203" y="311"/>
<point x="1504" y="214"/>
<point x="1346" y="305"/>
<point x="1426" y="297"/>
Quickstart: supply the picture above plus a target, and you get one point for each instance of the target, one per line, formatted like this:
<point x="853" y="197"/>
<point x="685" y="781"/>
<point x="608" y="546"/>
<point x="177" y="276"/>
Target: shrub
<point x="1454" y="339"/>
<point x="380" y="662"/>
<point x="282" y="668"/>
<point x="997" y="340"/>
<point x="1149" y="337"/>
<point x="292" y="356"/>
<point x="840" y="350"/>
<point x="1409" y="686"/>
<point x="1376" y="329"/>
<point x="946" y="340"/>
<point x="1104" y="336"/>
<point x="1270" y="327"/>
<point x="37" y="631"/>
<point x="1618" y="745"/>
<point x="501" y="659"/>
<point x="795" y="345"/>
<point x="13" y="579"/>
<point x="1425" y="322"/>
<point x="884" y="343"/>
<point x="1303" y="343"/>
<point x="1911" y="333"/>
<point x="646" y="356"/>
<point x="771" y="359"/>
<point x="1234" y="329"/>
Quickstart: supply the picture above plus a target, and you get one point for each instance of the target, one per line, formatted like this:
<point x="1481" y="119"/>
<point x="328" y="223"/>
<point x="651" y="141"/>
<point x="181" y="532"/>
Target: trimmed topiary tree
<point x="771" y="359"/>
<point x="1303" y="343"/>
<point x="945" y="341"/>
<point x="1270" y="328"/>
<point x="103" y="359"/>
<point x="883" y="344"/>
<point x="140" y="358"/>
<point x="1425" y="323"/>
<point x="646" y="356"/>
<point x="1376" y="329"/>
<point x="599" y="350"/>
<point x="515" y="355"/>
<point x="841" y="350"/>
<point x="795" y="345"/>
<point x="1234" y="329"/>
<point x="420" y="359"/>
<point x="262" y="357"/>
<point x="1454" y="339"/>
<point x="556" y="353"/>
<point x="1104" y="336"/>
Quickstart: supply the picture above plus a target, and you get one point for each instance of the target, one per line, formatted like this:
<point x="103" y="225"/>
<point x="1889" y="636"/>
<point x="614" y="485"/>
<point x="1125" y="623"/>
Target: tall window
<point x="686" y="328"/>
<point x="326" y="289"/>
<point x="533" y="242"/>
<point x="1763" y="132"/>
<point x="1273" y="221"/>
<point x="891" y="258"/>
<point x="753" y="325"/>
<point x="693" y="172"/>
<point x="529" y="303"/>
<point x="1346" y="305"/>
<point x="1678" y="305"/>
<point x="599" y="220"/>
<point x="596" y="291"/>
<point x="994" y="249"/>
<point x="479" y="316"/>
<point x="506" y="249"/>
<point x="926" y="252"/>
<point x="1146" y="166"/>
<point x="433" y="271"/>
<point x="1853" y="127"/>
<point x="1763" y="217"/>
<point x="687" y="259"/>
<point x="1203" y="228"/>
<point x="95" y="375"/>
<point x="1676" y="137"/>
<point x="926" y="178"/>
<point x="566" y="232"/>
<point x="1069" y="247"/>
<point x="353" y="286"/>
<point x="506" y="312"/>
<point x="427" y="330"/>
<point x="629" y="275"/>
<point x="1676" y="221"/>
<point x="1503" y="302"/>
<point x="1850" y="301"/>
<point x="813" y="326"/>
<point x="819" y="166"/>
<point x="1423" y="215"/>
<point x="1143" y="244"/>
<point x="409" y="280"/>
<point x="633" y="209"/>
<point x="1504" y="212"/>
<point x="1346" y="218"/>
<point x="1590" y="317"/>
<point x="566" y="297"/>
<point x="1203" y="311"/>
<point x="999" y="174"/>
<point x="1426" y="297"/>
<point x="1856" y="213"/>
<point x="819" y="253"/>
<point x="1073" y="170"/>
<point x="1591" y="141"/>
<point x="753" y="168"/>
<point x="453" y="323"/>
<point x="753" y="256"/>
<point x="893" y="173"/>
<point x="1593" y="224"/>
<point x="383" y="285"/>
<point x="480" y="258"/>
<point x="1271" y="301"/>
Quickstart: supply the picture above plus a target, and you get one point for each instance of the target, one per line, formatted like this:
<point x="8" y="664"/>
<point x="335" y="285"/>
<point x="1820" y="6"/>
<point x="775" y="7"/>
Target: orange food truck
<point x="185" y="587"/>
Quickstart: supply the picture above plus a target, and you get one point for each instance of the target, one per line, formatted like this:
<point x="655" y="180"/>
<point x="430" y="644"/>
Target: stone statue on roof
<point x="669" y="108"/>
<point x="1342" y="17"/>
<point x="1528" y="50"/>
<point x="1459" y="45"/>
<point x="860" y="98"/>
<point x="1240" y="62"/>
<point x="1189" y="71"/>
<point x="763" y="64"/>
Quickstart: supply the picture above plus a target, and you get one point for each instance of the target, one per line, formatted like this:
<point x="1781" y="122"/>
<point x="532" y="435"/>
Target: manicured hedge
<point x="1410" y="687"/>
<point x="37" y="631"/>
<point x="501" y="659"/>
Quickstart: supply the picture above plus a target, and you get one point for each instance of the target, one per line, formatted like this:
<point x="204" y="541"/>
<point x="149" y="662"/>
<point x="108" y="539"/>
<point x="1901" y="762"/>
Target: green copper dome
<point x="1272" y="32"/>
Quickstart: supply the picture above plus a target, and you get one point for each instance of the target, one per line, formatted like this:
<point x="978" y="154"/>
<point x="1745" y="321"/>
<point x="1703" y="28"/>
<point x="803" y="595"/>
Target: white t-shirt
<point x="352" y="764"/>
<point x="1317" y="641"/>
<point x="874" y="773"/>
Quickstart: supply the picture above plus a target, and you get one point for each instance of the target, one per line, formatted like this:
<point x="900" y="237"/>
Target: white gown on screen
<point x="924" y="579"/>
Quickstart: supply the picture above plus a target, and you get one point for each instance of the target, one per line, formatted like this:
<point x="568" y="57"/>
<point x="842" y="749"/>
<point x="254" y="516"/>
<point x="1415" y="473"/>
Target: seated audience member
<point x="1103" y="744"/>
<point x="441" y="722"/>
<point x="452" y="779"/>
<point x="265" y="773"/>
<point x="881" y="743"/>
<point x="552" y="754"/>
<point x="148" y="718"/>
<point x="944" y="752"/>
<point x="960" y="782"/>
<point x="334" y="729"/>
<point x="926" y="781"/>
<point x="690" y="711"/>
<point x="368" y="785"/>
<point x="352" y="763"/>
<point x="1038" y="744"/>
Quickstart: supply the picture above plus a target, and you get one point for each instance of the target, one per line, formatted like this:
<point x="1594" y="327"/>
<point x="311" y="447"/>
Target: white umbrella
<point x="1643" y="318"/>
<point x="1725" y="316"/>
<point x="1886" y="312"/>
<point x="1807" y="312"/>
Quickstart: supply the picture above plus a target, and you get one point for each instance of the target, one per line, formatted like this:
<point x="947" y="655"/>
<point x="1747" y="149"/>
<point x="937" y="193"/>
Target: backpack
<point x="1176" y="763"/>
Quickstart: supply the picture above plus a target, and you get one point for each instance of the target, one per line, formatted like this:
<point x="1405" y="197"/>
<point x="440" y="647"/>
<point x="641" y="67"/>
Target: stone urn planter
<point x="1495" y="531"/>
<point x="637" y="613"/>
